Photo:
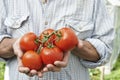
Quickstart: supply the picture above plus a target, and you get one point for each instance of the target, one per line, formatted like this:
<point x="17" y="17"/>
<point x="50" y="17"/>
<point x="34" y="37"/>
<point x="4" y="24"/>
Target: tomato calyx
<point x="37" y="41"/>
<point x="44" y="40"/>
<point x="58" y="35"/>
<point x="66" y="39"/>
<point x="48" y="39"/>
<point x="47" y="36"/>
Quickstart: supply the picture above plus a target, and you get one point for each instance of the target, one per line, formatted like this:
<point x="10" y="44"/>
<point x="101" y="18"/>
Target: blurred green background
<point x="2" y="68"/>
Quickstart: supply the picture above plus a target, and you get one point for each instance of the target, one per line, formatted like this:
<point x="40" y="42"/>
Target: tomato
<point x="66" y="39"/>
<point x="47" y="37"/>
<point x="32" y="60"/>
<point x="50" y="55"/>
<point x="29" y="42"/>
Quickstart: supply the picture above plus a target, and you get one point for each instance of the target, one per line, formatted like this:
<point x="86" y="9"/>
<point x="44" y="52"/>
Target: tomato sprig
<point x="46" y="48"/>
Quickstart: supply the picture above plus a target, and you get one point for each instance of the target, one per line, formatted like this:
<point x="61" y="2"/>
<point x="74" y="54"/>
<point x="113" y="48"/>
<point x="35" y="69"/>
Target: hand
<point x="58" y="65"/>
<point x="54" y="68"/>
<point x="85" y="50"/>
<point x="18" y="52"/>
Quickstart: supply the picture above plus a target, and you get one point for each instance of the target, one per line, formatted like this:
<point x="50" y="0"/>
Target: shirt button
<point x="44" y="1"/>
<point x="46" y="23"/>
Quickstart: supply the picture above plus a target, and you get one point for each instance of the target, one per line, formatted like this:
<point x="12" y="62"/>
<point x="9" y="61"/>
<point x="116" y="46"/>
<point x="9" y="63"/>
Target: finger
<point x="66" y="57"/>
<point x="32" y="73"/>
<point x="64" y="62"/>
<point x="25" y="70"/>
<point x="53" y="68"/>
<point x="21" y="68"/>
<point x="45" y="69"/>
<point x="60" y="64"/>
<point x="80" y="44"/>
<point x="18" y="52"/>
<point x="40" y="74"/>
<point x="20" y="64"/>
<point x="77" y="49"/>
<point x="17" y="49"/>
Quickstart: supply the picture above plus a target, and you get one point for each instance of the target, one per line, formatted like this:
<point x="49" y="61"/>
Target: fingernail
<point x="44" y="70"/>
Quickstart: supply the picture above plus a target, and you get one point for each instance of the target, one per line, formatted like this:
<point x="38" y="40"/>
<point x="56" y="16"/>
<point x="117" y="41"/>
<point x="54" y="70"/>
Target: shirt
<point x="88" y="18"/>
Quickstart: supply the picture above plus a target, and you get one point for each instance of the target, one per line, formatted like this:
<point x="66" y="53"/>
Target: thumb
<point x="17" y="50"/>
<point x="80" y="44"/>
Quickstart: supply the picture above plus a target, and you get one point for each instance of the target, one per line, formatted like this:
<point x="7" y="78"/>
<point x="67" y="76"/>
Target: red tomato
<point x="50" y="55"/>
<point x="28" y="42"/>
<point x="66" y="39"/>
<point x="45" y="38"/>
<point x="32" y="60"/>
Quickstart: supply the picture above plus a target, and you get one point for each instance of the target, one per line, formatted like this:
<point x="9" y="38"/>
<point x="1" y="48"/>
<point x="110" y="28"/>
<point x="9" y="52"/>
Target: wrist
<point x="6" y="50"/>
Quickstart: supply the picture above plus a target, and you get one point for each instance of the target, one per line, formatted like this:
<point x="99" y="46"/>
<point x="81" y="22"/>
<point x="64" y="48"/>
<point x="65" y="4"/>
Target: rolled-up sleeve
<point x="102" y="37"/>
<point x="3" y="30"/>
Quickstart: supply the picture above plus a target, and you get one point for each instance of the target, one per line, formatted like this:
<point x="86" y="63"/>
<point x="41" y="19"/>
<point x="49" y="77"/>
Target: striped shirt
<point x="88" y="18"/>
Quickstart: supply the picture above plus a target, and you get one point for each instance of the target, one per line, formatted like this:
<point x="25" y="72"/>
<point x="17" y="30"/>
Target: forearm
<point x="86" y="51"/>
<point x="6" y="50"/>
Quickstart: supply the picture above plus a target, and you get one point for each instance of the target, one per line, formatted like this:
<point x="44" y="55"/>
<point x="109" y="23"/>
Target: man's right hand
<point x="50" y="67"/>
<point x="18" y="52"/>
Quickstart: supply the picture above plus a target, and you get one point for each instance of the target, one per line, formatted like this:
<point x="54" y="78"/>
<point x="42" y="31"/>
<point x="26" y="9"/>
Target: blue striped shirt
<point x="88" y="18"/>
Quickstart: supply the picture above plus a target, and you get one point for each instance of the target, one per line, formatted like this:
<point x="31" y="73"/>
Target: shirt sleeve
<point x="3" y="30"/>
<point x="103" y="35"/>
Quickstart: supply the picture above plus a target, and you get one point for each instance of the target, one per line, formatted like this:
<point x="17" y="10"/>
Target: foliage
<point x="114" y="75"/>
<point x="95" y="74"/>
<point x="2" y="68"/>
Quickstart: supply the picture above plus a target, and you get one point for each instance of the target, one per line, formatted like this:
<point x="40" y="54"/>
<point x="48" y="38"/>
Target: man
<point x="89" y="20"/>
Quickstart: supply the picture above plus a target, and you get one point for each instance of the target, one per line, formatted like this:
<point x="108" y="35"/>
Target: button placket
<point x="46" y="20"/>
<point x="45" y="15"/>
